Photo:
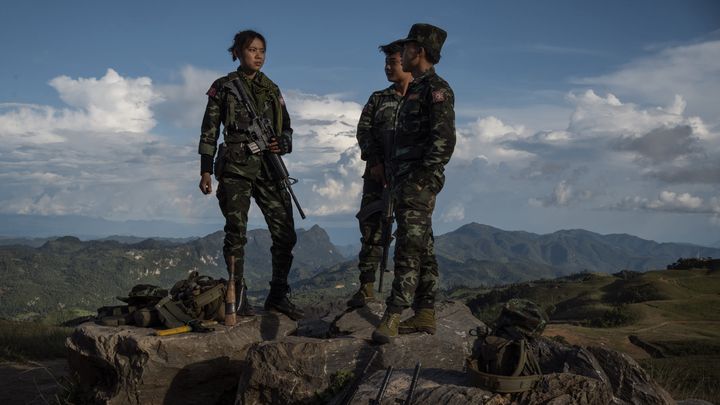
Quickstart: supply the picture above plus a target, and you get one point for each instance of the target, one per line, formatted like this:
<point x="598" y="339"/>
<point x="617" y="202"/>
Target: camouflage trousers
<point x="371" y="232"/>
<point x="416" y="270"/>
<point x="234" y="194"/>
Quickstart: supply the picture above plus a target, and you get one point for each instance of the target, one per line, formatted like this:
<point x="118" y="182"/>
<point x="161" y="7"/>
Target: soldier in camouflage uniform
<point x="424" y="142"/>
<point x="246" y="174"/>
<point x="375" y="129"/>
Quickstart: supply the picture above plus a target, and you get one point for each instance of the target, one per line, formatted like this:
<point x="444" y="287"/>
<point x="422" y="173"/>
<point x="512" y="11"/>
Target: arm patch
<point x="212" y="91"/>
<point x="438" y="96"/>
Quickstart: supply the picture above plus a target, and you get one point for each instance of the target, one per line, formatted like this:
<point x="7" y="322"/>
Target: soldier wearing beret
<point x="246" y="174"/>
<point x="374" y="134"/>
<point x="423" y="144"/>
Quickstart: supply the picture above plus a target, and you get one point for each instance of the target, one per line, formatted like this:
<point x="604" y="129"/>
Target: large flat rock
<point x="130" y="365"/>
<point x="437" y="386"/>
<point x="297" y="370"/>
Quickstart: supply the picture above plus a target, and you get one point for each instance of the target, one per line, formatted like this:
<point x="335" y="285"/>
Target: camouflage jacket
<point x="376" y="126"/>
<point x="225" y="108"/>
<point x="425" y="129"/>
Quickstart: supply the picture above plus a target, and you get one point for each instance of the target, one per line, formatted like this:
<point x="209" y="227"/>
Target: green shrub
<point x="22" y="341"/>
<point x="619" y="315"/>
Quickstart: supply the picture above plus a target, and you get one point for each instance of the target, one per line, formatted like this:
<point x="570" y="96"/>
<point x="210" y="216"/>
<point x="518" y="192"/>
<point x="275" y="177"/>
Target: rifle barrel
<point x="384" y="385"/>
<point x="413" y="385"/>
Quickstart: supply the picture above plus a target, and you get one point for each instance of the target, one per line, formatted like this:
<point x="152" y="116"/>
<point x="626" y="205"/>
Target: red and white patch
<point x="212" y="91"/>
<point x="282" y="100"/>
<point x="438" y="96"/>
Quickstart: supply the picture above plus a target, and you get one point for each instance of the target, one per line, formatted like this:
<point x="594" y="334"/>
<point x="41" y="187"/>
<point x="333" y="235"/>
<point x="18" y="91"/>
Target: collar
<point x="425" y="75"/>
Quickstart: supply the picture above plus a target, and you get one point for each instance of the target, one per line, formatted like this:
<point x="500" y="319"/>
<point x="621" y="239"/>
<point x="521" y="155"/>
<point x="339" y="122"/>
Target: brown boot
<point x="387" y="329"/>
<point x="365" y="294"/>
<point x="422" y="321"/>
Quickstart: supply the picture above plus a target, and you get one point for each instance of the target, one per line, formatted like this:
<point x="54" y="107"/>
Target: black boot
<point x="243" y="306"/>
<point x="278" y="300"/>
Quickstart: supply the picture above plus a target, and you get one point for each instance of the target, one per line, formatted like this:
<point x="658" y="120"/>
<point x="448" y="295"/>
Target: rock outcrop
<point x="270" y="359"/>
<point x="130" y="365"/>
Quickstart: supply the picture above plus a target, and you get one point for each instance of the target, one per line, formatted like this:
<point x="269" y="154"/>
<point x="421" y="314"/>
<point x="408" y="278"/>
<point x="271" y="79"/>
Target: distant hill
<point x="32" y="242"/>
<point x="530" y="256"/>
<point x="66" y="272"/>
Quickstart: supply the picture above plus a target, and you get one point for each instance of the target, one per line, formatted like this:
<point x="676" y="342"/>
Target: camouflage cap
<point x="429" y="36"/>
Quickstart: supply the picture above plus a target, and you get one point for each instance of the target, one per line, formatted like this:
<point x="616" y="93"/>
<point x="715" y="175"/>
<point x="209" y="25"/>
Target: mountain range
<point x="67" y="273"/>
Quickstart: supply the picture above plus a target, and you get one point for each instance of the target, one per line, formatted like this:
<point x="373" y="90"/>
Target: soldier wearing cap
<point x="374" y="132"/>
<point x="423" y="143"/>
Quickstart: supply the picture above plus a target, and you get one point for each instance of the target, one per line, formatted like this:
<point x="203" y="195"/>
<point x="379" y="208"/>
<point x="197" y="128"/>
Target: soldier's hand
<point x="274" y="146"/>
<point x="206" y="183"/>
<point x="377" y="172"/>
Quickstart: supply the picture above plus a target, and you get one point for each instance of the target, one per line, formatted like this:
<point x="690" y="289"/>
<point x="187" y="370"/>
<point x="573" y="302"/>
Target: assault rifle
<point x="350" y="393"/>
<point x="383" y="387"/>
<point x="387" y="225"/>
<point x="413" y="385"/>
<point x="261" y="133"/>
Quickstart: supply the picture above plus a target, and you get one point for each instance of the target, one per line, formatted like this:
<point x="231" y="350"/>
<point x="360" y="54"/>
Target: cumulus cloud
<point x="324" y="129"/>
<point x="691" y="70"/>
<point x="98" y="155"/>
<point x="341" y="186"/>
<point x="662" y="144"/>
<point x="671" y="201"/>
<point x="484" y="138"/>
<point x="562" y="195"/>
<point x="185" y="101"/>
<point x="453" y="213"/>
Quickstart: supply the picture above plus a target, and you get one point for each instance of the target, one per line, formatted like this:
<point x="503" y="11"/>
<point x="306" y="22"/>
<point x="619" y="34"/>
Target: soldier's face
<point x="410" y="56"/>
<point x="253" y="56"/>
<point x="393" y="67"/>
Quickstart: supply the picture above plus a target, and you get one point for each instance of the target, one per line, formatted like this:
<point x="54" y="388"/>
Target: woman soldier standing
<point x="246" y="174"/>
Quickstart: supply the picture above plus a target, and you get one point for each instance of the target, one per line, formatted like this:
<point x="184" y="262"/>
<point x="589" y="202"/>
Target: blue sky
<point x="570" y="114"/>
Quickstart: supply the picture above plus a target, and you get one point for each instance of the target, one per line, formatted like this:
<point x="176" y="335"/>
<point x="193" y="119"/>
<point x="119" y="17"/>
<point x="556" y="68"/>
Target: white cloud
<point x="453" y="213"/>
<point x="671" y="201"/>
<point x="562" y="195"/>
<point x="185" y="101"/>
<point x="341" y="186"/>
<point x="595" y="115"/>
<point x="690" y="70"/>
<point x="484" y="139"/>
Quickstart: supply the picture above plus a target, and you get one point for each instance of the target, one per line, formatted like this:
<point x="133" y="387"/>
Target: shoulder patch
<point x="438" y="96"/>
<point x="282" y="100"/>
<point x="366" y="109"/>
<point x="212" y="91"/>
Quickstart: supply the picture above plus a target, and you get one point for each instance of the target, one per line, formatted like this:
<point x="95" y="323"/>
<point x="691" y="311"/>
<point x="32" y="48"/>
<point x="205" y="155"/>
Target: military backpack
<point x="195" y="298"/>
<point x="139" y="309"/>
<point x="503" y="359"/>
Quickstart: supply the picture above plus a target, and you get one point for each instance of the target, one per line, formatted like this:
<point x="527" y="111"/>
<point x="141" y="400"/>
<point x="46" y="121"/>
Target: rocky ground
<point x="270" y="359"/>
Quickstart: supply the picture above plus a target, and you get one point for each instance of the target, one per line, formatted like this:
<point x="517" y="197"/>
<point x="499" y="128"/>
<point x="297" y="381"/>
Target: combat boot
<point x="244" y="308"/>
<point x="387" y="329"/>
<point x="278" y="300"/>
<point x="365" y="294"/>
<point x="422" y="321"/>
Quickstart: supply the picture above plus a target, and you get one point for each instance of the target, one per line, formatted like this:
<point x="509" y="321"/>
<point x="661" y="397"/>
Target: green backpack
<point x="503" y="361"/>
<point x="139" y="309"/>
<point x="195" y="298"/>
